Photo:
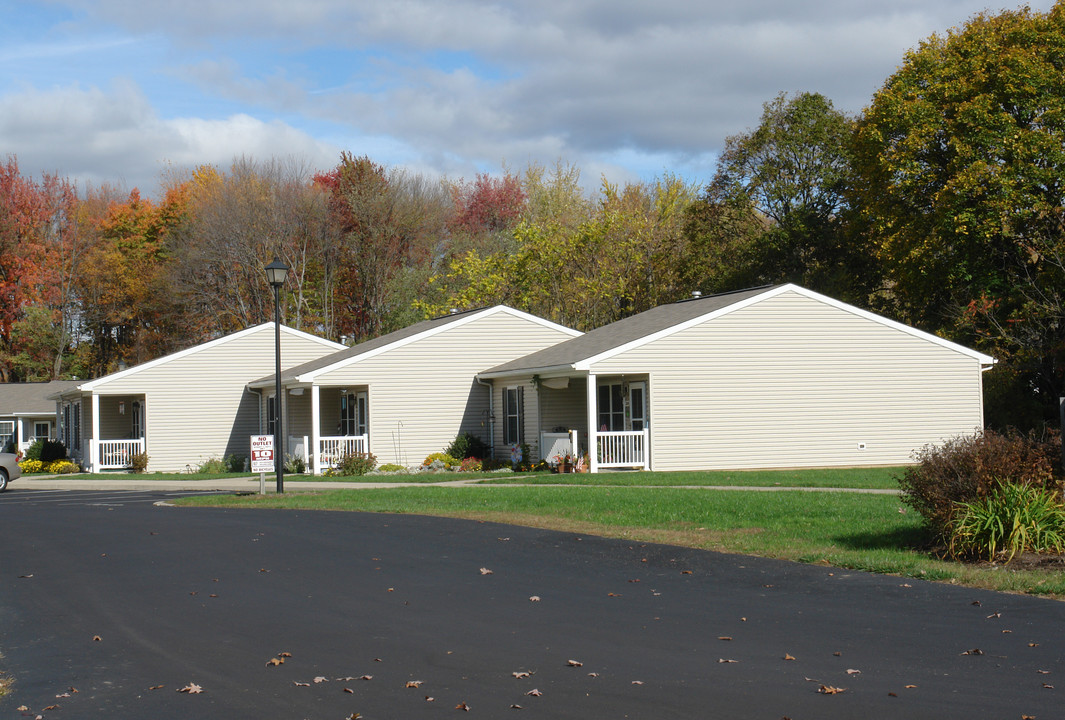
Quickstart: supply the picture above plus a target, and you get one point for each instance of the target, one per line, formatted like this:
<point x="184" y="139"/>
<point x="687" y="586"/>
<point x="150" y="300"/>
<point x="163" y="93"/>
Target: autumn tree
<point x="389" y="224"/>
<point x="238" y="221"/>
<point x="37" y="233"/>
<point x="961" y="160"/>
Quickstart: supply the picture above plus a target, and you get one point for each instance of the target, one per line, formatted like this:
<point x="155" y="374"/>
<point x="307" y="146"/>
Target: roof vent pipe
<point x="696" y="294"/>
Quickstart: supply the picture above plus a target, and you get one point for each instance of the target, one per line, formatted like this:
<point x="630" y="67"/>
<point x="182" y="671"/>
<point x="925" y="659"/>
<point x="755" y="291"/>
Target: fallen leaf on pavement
<point x="854" y="672"/>
<point x="521" y="674"/>
<point x="462" y="706"/>
<point x="321" y="679"/>
<point x="574" y="663"/>
<point x="299" y="684"/>
<point x="486" y="571"/>
<point x="275" y="662"/>
<point x="974" y="651"/>
<point x="413" y="683"/>
<point x="534" y="598"/>
<point x="534" y="692"/>
<point x="829" y="690"/>
<point x="723" y="660"/>
<point x="191" y="689"/>
<point x="788" y="657"/>
<point x="724" y="637"/>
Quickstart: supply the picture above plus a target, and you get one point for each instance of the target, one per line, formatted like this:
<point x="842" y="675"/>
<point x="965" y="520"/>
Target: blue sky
<point x="122" y="91"/>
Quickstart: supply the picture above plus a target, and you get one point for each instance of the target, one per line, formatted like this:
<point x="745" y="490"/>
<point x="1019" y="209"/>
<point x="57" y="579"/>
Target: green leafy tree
<point x="960" y="161"/>
<point x="794" y="170"/>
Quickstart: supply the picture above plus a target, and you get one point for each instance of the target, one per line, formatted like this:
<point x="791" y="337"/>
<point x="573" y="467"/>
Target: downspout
<point x="491" y="417"/>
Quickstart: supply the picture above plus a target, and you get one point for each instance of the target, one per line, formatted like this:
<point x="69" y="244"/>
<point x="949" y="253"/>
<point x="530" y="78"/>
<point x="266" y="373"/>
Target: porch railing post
<point x="316" y="431"/>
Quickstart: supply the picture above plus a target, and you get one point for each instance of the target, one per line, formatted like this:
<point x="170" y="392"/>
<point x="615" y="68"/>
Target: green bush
<point x="212" y="465"/>
<point x="138" y="462"/>
<point x="1011" y="519"/>
<point x="391" y="467"/>
<point x="965" y="469"/>
<point x="234" y="463"/>
<point x="353" y="464"/>
<point x="33" y="452"/>
<point x="467" y="445"/>
<point x="52" y="450"/>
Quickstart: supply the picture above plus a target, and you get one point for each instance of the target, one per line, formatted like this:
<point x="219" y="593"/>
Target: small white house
<point x="407" y="394"/>
<point x="27" y="413"/>
<point x="766" y="378"/>
<point x="180" y="409"/>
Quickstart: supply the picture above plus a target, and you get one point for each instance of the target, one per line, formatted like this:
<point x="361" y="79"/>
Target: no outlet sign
<point x="262" y="453"/>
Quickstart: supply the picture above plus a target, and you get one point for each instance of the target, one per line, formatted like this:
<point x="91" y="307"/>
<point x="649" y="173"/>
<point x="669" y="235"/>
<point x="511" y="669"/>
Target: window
<point x="138" y="419"/>
<point x="611" y="407"/>
<point x="271" y="415"/>
<point x="7" y="432"/>
<point x="76" y="439"/>
<point x="353" y="414"/>
<point x="42" y="431"/>
<point x="513" y="400"/>
<point x="66" y="425"/>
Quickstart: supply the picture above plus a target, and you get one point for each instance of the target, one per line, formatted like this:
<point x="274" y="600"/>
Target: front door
<point x="638" y="405"/>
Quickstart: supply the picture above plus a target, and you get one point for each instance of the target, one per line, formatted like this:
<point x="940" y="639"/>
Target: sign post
<point x="262" y="458"/>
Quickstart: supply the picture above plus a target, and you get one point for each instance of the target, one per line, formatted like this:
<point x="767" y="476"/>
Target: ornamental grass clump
<point x="1011" y="519"/>
<point x="355" y="463"/>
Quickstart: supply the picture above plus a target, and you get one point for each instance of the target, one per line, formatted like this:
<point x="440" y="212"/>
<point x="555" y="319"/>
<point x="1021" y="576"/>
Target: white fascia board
<point x="548" y="371"/>
<point x="94" y="384"/>
<point x="774" y="292"/>
<point x="311" y="377"/>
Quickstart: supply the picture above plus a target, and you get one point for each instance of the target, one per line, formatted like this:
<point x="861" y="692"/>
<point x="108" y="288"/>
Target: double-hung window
<point x="513" y="415"/>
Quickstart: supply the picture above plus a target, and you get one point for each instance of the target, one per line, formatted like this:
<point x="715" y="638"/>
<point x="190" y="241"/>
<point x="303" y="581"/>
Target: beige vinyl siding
<point x="197" y="404"/>
<point x="793" y="382"/>
<point x="565" y="408"/>
<point x="424" y="393"/>
<point x="530" y="408"/>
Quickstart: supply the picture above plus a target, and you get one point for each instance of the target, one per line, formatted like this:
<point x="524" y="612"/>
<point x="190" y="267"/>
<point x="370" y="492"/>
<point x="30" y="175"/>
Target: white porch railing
<point x="118" y="454"/>
<point x="331" y="449"/>
<point x="622" y="448"/>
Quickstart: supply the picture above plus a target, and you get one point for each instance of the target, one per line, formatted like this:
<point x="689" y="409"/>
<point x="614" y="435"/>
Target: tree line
<point x="940" y="205"/>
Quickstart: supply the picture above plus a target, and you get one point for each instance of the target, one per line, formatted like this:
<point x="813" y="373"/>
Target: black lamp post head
<point x="276" y="273"/>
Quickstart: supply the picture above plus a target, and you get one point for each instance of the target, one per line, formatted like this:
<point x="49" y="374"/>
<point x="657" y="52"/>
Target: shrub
<point x="31" y="466"/>
<point x="467" y="445"/>
<point x="353" y="464"/>
<point x="1011" y="519"/>
<point x="492" y="464"/>
<point x="391" y="468"/>
<point x="138" y="462"/>
<point x="966" y="468"/>
<point x="61" y="467"/>
<point x="33" y="452"/>
<point x="235" y="463"/>
<point x="212" y="465"/>
<point x="470" y="464"/>
<point x="53" y="450"/>
<point x="448" y="461"/>
<point x="295" y="464"/>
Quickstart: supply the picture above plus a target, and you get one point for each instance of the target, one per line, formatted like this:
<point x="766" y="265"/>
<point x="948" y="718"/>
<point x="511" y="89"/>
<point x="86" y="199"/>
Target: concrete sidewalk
<point x="251" y="484"/>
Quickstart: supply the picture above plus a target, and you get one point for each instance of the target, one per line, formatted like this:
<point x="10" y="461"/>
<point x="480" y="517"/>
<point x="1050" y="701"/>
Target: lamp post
<point x="276" y="272"/>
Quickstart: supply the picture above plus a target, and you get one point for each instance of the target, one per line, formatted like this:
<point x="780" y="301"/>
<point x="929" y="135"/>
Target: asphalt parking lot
<point x="112" y="606"/>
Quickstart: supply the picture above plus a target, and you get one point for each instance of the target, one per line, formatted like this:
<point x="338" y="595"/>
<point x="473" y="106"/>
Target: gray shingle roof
<point x="619" y="333"/>
<point x="31" y="397"/>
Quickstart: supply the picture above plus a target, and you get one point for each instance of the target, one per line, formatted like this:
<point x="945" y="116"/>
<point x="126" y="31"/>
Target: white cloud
<point x="114" y="136"/>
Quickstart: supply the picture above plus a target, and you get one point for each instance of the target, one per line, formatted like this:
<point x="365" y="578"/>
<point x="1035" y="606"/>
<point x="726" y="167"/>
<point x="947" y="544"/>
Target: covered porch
<point x="606" y="415"/>
<point x="116" y="430"/>
<point x="325" y="423"/>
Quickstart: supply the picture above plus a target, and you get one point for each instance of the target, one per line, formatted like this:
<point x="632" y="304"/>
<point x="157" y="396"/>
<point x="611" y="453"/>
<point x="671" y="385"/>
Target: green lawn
<point x="881" y="477"/>
<point x="860" y="531"/>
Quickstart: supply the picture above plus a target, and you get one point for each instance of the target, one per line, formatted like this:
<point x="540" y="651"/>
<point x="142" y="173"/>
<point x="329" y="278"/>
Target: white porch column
<point x="316" y="431"/>
<point x="94" y="444"/>
<point x="18" y="433"/>
<point x="593" y="443"/>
